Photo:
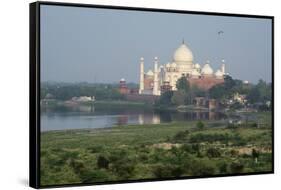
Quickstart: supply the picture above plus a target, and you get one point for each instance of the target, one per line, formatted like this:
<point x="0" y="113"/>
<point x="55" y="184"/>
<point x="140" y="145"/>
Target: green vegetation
<point x="200" y="125"/>
<point x="67" y="91"/>
<point x="155" y="151"/>
<point x="258" y="96"/>
<point x="259" y="93"/>
<point x="183" y="96"/>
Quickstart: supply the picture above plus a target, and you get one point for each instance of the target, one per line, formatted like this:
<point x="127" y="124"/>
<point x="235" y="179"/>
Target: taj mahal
<point x="165" y="77"/>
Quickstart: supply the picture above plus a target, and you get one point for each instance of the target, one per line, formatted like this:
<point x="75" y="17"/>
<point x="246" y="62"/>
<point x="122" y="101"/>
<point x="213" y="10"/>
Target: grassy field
<point x="155" y="151"/>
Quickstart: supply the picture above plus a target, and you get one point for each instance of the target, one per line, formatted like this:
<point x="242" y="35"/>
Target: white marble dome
<point x="197" y="66"/>
<point x="149" y="73"/>
<point x="183" y="54"/>
<point x="195" y="73"/>
<point x="219" y="74"/>
<point x="174" y="65"/>
<point x="207" y="69"/>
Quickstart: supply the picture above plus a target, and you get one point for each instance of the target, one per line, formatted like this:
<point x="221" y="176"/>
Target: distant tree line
<point x="261" y="92"/>
<point x="255" y="93"/>
<point x="66" y="92"/>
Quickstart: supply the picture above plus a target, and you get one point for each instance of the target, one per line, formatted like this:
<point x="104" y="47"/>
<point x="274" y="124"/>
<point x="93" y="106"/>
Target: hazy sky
<point x="100" y="45"/>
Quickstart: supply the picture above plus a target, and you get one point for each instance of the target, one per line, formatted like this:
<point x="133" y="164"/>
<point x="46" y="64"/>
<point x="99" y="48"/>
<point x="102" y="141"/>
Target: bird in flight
<point x="220" y="32"/>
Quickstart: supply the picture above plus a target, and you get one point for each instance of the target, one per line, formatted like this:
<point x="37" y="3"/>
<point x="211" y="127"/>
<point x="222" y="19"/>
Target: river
<point x="81" y="117"/>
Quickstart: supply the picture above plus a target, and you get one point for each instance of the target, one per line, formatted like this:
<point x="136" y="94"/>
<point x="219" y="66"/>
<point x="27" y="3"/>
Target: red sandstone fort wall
<point x="205" y="83"/>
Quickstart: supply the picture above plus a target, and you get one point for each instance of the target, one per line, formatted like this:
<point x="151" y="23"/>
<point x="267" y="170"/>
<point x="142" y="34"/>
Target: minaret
<point x="141" y="75"/>
<point x="155" y="81"/>
<point x="223" y="66"/>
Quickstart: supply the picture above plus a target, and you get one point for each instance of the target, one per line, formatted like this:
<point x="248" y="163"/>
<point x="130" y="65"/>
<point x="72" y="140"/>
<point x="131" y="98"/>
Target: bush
<point x="234" y="152"/>
<point x="143" y="157"/>
<point x="168" y="170"/>
<point x="177" y="171"/>
<point x="102" y="162"/>
<point x="77" y="165"/>
<point x="195" y="148"/>
<point x="124" y="169"/>
<point x="240" y="142"/>
<point x="162" y="171"/>
<point x="255" y="154"/>
<point x="181" y="135"/>
<point x="213" y="153"/>
<point x="117" y="155"/>
<point x="202" y="168"/>
<point x="200" y="125"/>
<point x="200" y="137"/>
<point x="186" y="148"/>
<point x="236" y="167"/>
<point x="122" y="165"/>
<point x="90" y="176"/>
<point x="231" y="125"/>
<point x="223" y="167"/>
<point x="254" y="125"/>
<point x="95" y="149"/>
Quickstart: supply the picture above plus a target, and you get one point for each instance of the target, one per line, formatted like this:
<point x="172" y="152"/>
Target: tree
<point x="182" y="84"/>
<point x="200" y="125"/>
<point x="217" y="91"/>
<point x="197" y="91"/>
<point x="229" y="83"/>
<point x="166" y="98"/>
<point x="236" y="105"/>
<point x="261" y="92"/>
<point x="179" y="97"/>
<point x="255" y="155"/>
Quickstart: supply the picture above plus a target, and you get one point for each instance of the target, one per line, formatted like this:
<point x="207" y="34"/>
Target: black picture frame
<point x="34" y="91"/>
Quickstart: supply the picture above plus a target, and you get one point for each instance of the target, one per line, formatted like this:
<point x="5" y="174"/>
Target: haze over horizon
<point x="103" y="46"/>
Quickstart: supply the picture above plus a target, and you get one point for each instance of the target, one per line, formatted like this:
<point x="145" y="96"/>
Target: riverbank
<point x="102" y="104"/>
<point x="105" y="104"/>
<point x="154" y="151"/>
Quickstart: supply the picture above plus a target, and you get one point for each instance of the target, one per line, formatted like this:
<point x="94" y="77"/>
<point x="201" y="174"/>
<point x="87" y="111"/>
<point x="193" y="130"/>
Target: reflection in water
<point x="140" y="119"/>
<point x="155" y="119"/>
<point x="78" y="117"/>
<point x="122" y="119"/>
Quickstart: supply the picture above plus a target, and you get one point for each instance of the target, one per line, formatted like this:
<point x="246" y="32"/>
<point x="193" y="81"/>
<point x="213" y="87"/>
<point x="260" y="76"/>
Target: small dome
<point x="173" y="64"/>
<point x="168" y="65"/>
<point x="219" y="73"/>
<point x="149" y="73"/>
<point x="141" y="58"/>
<point x="195" y="73"/>
<point x="122" y="80"/>
<point x="197" y="66"/>
<point x="183" y="54"/>
<point x="207" y="69"/>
